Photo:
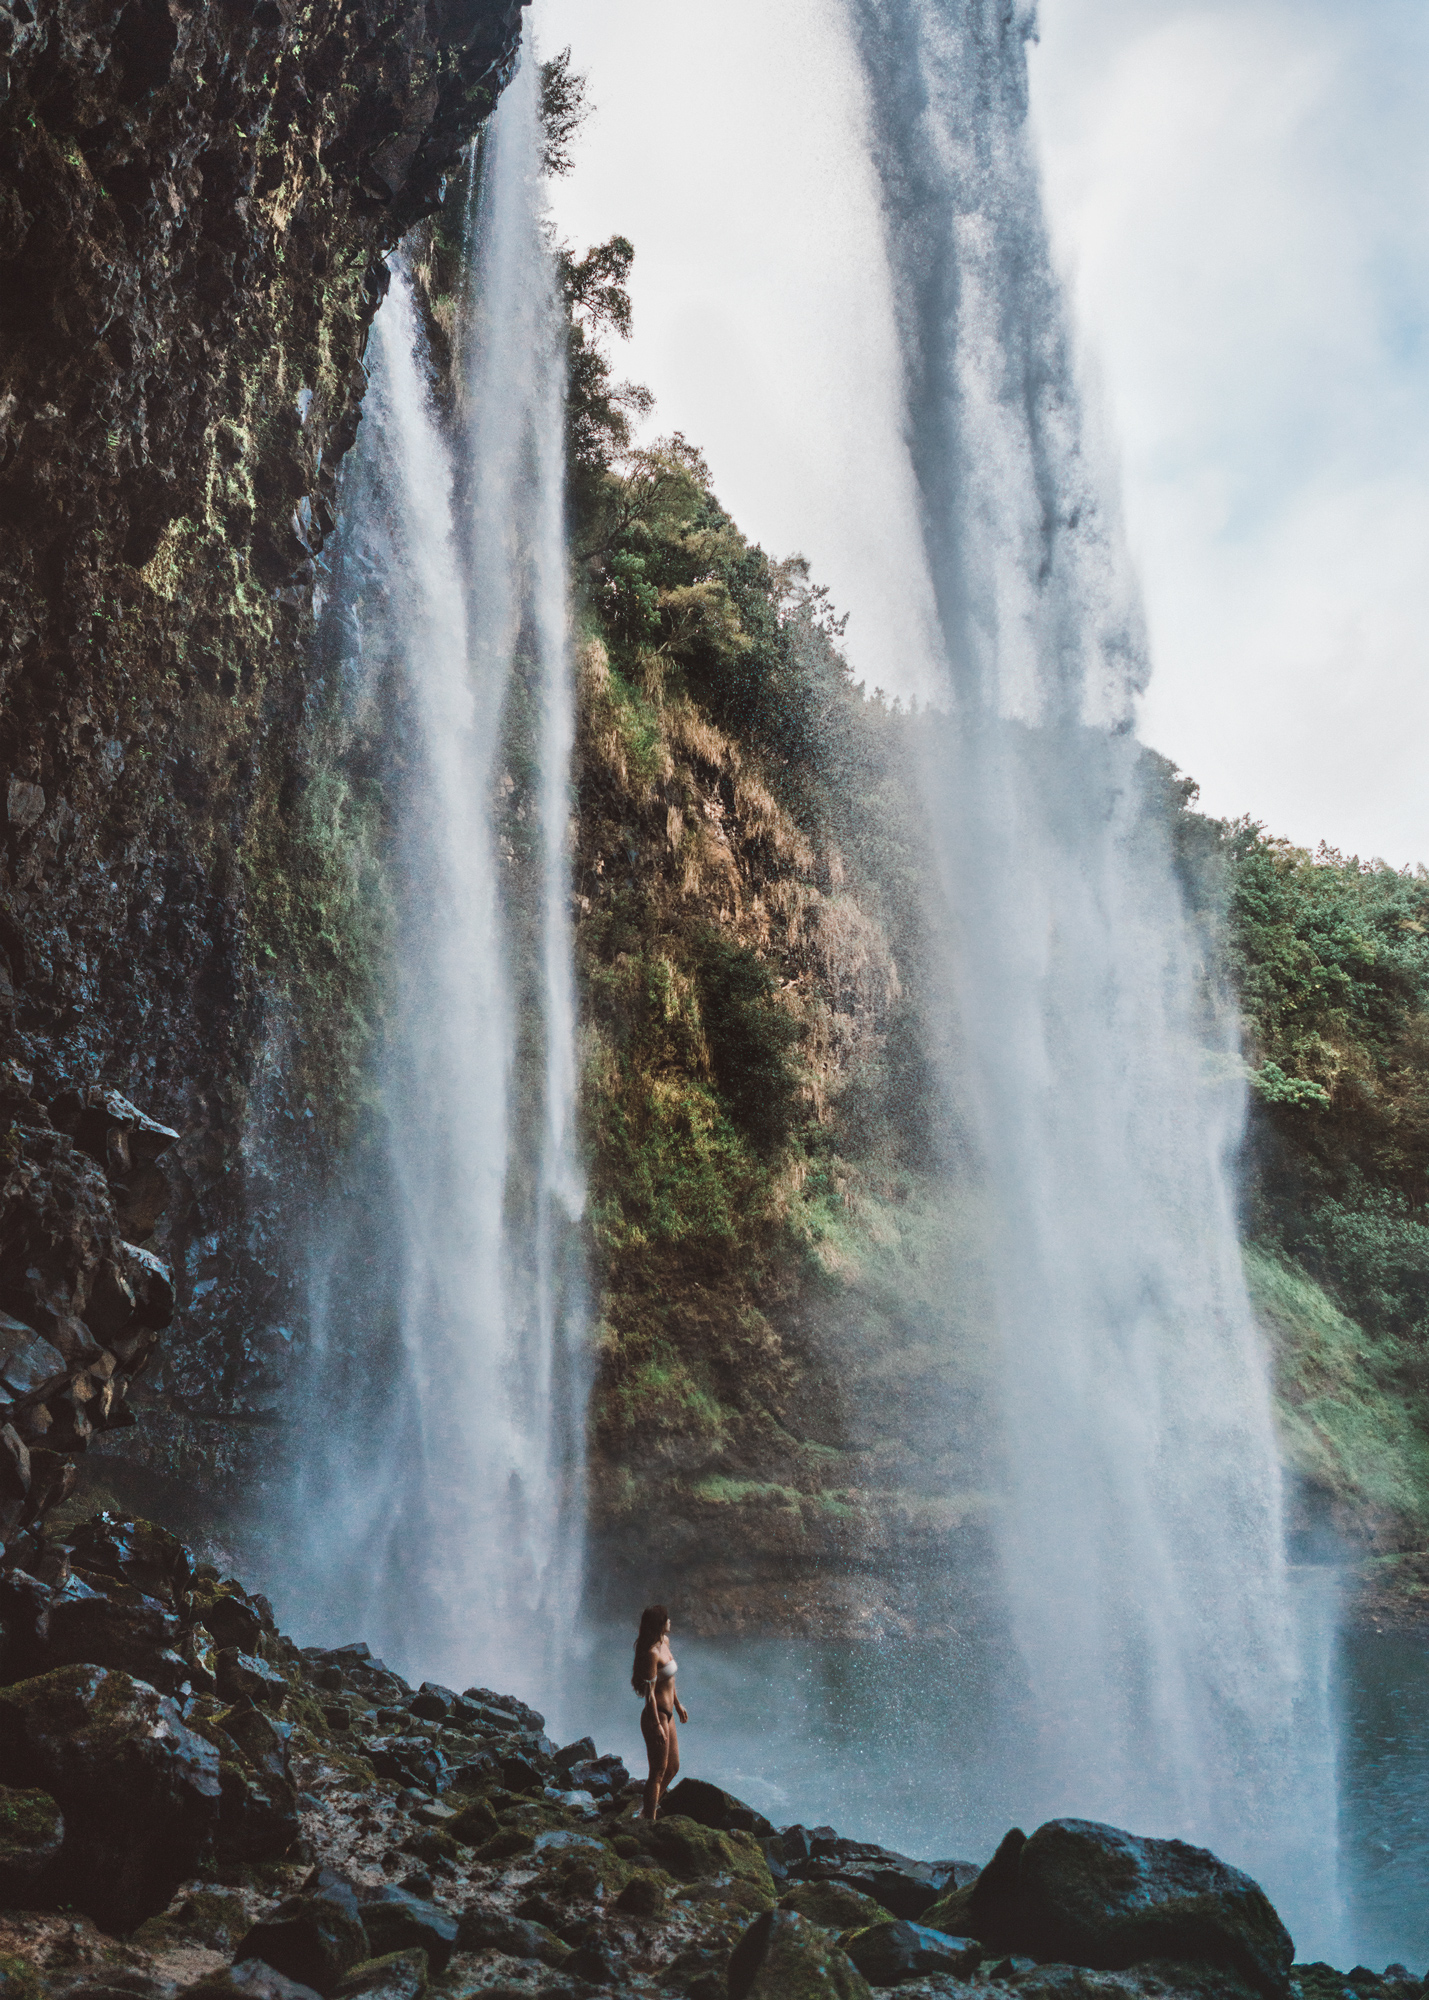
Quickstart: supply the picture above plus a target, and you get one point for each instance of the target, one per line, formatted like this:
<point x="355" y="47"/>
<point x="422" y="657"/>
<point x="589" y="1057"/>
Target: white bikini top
<point x="665" y="1671"/>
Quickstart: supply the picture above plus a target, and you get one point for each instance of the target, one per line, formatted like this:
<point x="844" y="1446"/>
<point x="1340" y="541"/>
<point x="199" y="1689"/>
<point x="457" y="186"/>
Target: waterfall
<point x="1177" y="1681"/>
<point x="438" y="1505"/>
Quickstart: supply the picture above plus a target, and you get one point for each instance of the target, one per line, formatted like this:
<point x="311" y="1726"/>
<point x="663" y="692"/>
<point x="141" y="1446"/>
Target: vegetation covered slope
<point x="757" y="1091"/>
<point x="1330" y="958"/>
<point x="771" y="1403"/>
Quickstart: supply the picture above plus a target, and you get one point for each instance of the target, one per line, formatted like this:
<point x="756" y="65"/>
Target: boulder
<point x="113" y="1624"/>
<point x="784" y="1957"/>
<point x="600" y="1958"/>
<point x="988" y="1907"/>
<point x="249" y="1979"/>
<point x="517" y="1714"/>
<point x="520" y="1773"/>
<point x="139" y="1791"/>
<point x="244" y="1676"/>
<point x="692" y="1852"/>
<point x="27" y="1360"/>
<point x="401" y="1975"/>
<point x="582" y="1751"/>
<point x="433" y="1703"/>
<point x="515" y="1937"/>
<point x="15" y="1475"/>
<point x="603" y="1777"/>
<point x="411" y="1760"/>
<point x="1097" y="1896"/>
<point x="314" y="1937"/>
<point x="258" y="1817"/>
<point x="900" y="1885"/>
<point x="696" y="1799"/>
<point x="226" y="1610"/>
<point x="473" y="1824"/>
<point x="134" y="1552"/>
<point x="31" y="1835"/>
<point x="832" y="1904"/>
<point x="644" y="1895"/>
<point x="398" y="1921"/>
<point x="888" y="1953"/>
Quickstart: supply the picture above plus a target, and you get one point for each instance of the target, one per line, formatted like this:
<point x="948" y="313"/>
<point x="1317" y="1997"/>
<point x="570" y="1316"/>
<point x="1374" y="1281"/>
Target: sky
<point x="1238" y="193"/>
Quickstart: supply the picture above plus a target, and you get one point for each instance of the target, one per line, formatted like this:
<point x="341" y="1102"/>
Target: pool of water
<point x="914" y="1746"/>
<point x="1384" y="1795"/>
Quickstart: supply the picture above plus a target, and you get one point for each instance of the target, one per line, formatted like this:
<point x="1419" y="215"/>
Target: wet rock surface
<point x="157" y="1842"/>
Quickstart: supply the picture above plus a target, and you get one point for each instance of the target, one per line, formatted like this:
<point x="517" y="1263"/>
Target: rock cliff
<point x="195" y="202"/>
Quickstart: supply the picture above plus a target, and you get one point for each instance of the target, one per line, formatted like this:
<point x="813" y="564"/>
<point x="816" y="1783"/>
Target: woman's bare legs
<point x="672" y="1757"/>
<point x="657" y="1749"/>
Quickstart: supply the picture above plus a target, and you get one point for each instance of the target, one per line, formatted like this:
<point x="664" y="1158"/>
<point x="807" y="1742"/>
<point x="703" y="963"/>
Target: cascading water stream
<point x="1178" y="1685"/>
<point x="439" y="1504"/>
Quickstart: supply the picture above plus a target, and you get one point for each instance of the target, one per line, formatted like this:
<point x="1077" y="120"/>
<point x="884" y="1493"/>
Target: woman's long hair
<point x="653" y="1620"/>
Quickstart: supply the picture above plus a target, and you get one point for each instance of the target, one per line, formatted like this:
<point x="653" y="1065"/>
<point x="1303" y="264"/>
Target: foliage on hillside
<point x="1329" y="959"/>
<point x="747" y="939"/>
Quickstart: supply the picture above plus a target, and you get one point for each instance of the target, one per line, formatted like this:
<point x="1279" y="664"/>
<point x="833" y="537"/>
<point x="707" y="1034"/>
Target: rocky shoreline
<point x="192" y="1804"/>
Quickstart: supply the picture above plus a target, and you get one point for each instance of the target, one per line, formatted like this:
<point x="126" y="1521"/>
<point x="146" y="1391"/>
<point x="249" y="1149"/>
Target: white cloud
<point x="1238" y="194"/>
<point x="1239" y="189"/>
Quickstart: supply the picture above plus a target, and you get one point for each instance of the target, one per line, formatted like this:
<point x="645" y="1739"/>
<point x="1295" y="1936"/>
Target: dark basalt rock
<point x="710" y="1806"/>
<point x="138" y="1790"/>
<point x="401" y="1975"/>
<point x="989" y="1907"/>
<point x="1096" y="1896"/>
<point x="410" y="1760"/>
<point x="433" y="1703"/>
<point x="898" y="1884"/>
<point x="604" y="1778"/>
<point x="115" y="1625"/>
<point x="890" y="1953"/>
<point x="245" y="1677"/>
<point x="784" y="1957"/>
<point x="833" y="1904"/>
<point x="516" y="1937"/>
<point x="505" y="1711"/>
<point x="250" y="1979"/>
<point x="398" y="1921"/>
<point x="314" y="1938"/>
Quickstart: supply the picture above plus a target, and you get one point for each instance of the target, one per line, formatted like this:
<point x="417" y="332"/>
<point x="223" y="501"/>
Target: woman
<point x="654" y="1678"/>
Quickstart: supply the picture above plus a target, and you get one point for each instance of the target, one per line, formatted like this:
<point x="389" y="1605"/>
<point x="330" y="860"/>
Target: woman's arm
<point x="650" y="1677"/>
<point x="680" y="1709"/>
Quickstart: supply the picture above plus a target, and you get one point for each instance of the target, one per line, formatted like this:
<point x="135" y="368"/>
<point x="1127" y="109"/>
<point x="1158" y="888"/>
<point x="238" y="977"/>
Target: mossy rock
<point x="782" y="1956"/>
<point x="430" y="1843"/>
<point x="506" y="1845"/>
<point x="693" y="1853"/>
<point x="579" y="1865"/>
<point x="727" y="1898"/>
<point x="399" y="1975"/>
<point x="833" y="1905"/>
<point x="31" y="1835"/>
<point x="19" y="1980"/>
<point x="217" y="1918"/>
<point x="644" y="1895"/>
<point x="475" y="1823"/>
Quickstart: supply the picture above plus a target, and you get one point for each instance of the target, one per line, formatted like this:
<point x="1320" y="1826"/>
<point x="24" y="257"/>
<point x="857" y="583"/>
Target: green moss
<point x="720" y="1491"/>
<point x="28" y="1820"/>
<point x="19" y="1979"/>
<point x="1349" y="1414"/>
